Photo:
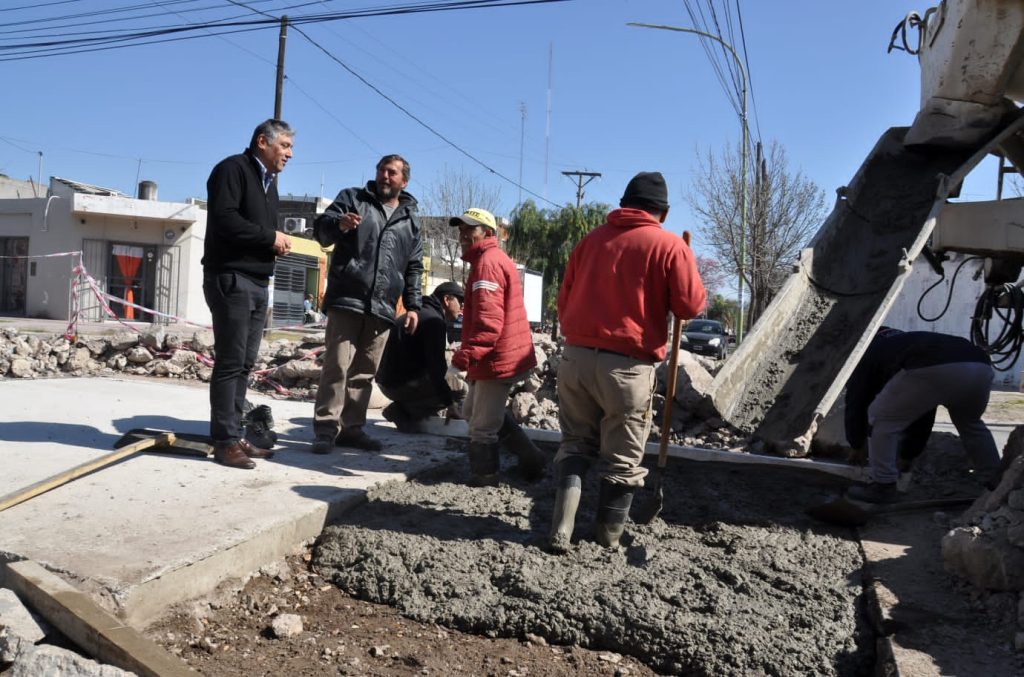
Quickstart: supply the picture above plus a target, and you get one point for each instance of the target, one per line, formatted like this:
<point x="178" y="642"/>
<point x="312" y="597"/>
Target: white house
<point x="139" y="249"/>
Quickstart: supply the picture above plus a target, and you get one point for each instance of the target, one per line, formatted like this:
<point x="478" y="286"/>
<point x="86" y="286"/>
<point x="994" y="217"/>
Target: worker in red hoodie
<point x="496" y="351"/>
<point x="622" y="280"/>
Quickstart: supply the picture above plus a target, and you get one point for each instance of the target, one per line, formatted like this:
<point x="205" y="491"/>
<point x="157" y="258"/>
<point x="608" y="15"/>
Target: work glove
<point x="454" y="377"/>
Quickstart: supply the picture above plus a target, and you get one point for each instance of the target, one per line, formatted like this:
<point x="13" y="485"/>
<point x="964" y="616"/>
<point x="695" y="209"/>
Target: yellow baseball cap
<point x="475" y="217"/>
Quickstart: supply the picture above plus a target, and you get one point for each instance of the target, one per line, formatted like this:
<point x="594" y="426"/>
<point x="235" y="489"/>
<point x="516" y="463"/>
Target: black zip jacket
<point x="408" y="357"/>
<point x="378" y="262"/>
<point x="241" y="223"/>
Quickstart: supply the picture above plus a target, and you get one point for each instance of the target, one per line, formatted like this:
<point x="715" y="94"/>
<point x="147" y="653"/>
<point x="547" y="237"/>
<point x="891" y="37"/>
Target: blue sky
<point x="623" y="99"/>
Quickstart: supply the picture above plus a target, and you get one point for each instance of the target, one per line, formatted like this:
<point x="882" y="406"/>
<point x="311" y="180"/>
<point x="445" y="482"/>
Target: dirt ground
<point x="343" y="635"/>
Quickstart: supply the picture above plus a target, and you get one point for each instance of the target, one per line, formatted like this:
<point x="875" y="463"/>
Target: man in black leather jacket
<point x="377" y="259"/>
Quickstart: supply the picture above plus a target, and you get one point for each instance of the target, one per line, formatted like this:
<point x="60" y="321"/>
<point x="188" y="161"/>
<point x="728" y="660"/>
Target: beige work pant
<point x="353" y="346"/>
<point x="484" y="408"/>
<point x="604" y="407"/>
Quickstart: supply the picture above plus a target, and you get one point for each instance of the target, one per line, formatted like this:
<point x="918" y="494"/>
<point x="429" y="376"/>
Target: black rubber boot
<point x="532" y="460"/>
<point x="567" y="500"/>
<point x="613" y="503"/>
<point x="483" y="464"/>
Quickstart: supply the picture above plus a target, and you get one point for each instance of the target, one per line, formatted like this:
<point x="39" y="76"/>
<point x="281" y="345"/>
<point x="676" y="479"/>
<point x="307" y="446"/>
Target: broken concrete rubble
<point x="16" y="617"/>
<point x="291" y="369"/>
<point x="986" y="548"/>
<point x="27" y="659"/>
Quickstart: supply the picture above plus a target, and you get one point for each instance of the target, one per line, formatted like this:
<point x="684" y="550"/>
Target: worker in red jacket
<point x="622" y="281"/>
<point x="496" y="350"/>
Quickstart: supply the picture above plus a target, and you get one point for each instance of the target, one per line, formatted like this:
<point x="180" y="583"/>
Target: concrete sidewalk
<point x="155" y="529"/>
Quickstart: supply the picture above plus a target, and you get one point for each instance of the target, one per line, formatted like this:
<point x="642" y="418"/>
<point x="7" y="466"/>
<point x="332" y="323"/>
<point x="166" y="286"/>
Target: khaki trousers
<point x="484" y="407"/>
<point x="353" y="346"/>
<point x="604" y="407"/>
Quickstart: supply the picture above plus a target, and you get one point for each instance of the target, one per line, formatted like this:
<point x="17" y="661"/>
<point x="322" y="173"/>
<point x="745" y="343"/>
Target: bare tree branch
<point x="784" y="210"/>
<point x="451" y="194"/>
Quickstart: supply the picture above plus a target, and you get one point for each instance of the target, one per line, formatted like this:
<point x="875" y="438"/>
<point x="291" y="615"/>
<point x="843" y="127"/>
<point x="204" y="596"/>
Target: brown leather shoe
<point x="252" y="451"/>
<point x="233" y="456"/>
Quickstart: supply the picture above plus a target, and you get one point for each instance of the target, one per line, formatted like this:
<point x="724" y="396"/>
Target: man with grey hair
<point x="242" y="243"/>
<point x="377" y="258"/>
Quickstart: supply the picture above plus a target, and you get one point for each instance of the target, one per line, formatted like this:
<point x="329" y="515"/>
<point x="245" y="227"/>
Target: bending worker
<point x="897" y="386"/>
<point x="412" y="370"/>
<point x="622" y="281"/>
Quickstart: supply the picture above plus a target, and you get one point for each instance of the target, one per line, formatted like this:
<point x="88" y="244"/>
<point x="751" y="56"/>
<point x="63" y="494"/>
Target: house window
<point x="131" y="276"/>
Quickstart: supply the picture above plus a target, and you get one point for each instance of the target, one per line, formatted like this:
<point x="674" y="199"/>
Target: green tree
<point x="542" y="239"/>
<point x="722" y="309"/>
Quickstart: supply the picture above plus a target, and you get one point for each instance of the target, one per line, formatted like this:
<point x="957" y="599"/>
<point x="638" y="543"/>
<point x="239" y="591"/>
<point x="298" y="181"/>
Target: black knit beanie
<point x="646" y="190"/>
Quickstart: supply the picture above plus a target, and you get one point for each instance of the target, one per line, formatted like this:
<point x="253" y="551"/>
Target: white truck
<point x="533" y="294"/>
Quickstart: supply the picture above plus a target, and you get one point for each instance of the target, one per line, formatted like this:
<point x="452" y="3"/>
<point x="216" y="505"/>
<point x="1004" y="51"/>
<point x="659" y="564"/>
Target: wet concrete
<point x="733" y="579"/>
<point x="773" y="386"/>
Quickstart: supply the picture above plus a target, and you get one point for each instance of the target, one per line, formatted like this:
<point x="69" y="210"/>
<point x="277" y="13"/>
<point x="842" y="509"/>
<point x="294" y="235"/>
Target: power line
<point x="750" y="80"/>
<point x="418" y="121"/>
<point x="720" y="59"/>
<point x="406" y="111"/>
<point x="220" y="27"/>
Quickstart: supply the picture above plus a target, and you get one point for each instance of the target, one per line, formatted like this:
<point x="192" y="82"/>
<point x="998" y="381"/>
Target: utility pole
<point x="580" y="183"/>
<point x="547" y="124"/>
<point x="277" y="115"/>
<point x="280" y="67"/>
<point x="522" y="137"/>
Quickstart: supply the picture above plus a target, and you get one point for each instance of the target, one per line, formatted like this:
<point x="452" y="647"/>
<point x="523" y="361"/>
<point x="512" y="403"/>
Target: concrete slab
<point x="155" y="529"/>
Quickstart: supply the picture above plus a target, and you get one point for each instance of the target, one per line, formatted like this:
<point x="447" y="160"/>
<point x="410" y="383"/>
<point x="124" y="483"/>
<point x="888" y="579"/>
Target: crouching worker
<point x="496" y="351"/>
<point x="622" y="280"/>
<point x="412" y="370"/>
<point x="896" y="388"/>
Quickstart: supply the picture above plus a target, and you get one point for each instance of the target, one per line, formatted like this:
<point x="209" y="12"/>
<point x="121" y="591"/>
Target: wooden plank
<point x="455" y="428"/>
<point x="98" y="633"/>
<point x="42" y="486"/>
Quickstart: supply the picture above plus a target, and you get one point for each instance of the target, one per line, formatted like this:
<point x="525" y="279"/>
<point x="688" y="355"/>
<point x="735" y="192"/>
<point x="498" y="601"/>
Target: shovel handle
<point x="670" y="392"/>
<point x="670" y="388"/>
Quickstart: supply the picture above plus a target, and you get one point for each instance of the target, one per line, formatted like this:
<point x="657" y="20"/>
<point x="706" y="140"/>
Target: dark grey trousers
<point x="239" y="309"/>
<point x="962" y="388"/>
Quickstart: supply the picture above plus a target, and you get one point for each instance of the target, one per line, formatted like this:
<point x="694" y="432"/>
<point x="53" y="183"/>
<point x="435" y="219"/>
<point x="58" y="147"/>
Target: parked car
<point x="706" y="337"/>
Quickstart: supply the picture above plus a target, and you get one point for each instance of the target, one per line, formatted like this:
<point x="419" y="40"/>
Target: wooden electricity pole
<point x="280" y="67"/>
<point x="580" y="183"/>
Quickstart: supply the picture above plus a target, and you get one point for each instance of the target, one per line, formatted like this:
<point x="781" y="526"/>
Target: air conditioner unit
<point x="294" y="225"/>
